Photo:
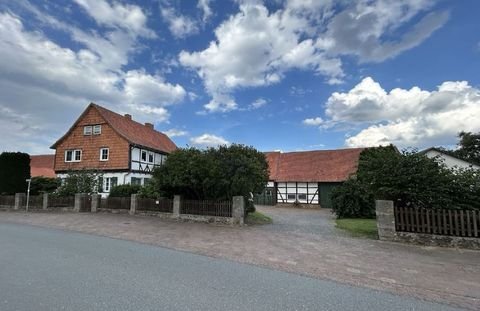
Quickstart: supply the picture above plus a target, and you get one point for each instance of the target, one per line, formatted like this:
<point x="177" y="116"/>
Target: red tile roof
<point x="313" y="166"/>
<point x="135" y="133"/>
<point x="42" y="165"/>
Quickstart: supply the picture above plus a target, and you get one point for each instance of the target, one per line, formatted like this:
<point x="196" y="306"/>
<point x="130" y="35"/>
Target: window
<point x="150" y="157"/>
<point x="73" y="155"/>
<point x="291" y="196"/>
<point x="108" y="183"/>
<point x="302" y="196"/>
<point x="104" y="154"/>
<point x="135" y="181"/>
<point x="87" y="130"/>
<point x="97" y="129"/>
<point x="146" y="181"/>
<point x="144" y="156"/>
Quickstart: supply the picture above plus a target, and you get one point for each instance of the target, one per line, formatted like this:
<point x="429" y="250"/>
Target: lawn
<point x="257" y="218"/>
<point x="359" y="227"/>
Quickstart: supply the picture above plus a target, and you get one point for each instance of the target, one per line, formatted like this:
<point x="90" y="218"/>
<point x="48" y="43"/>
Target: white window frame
<point x="143" y="152"/>
<point x="73" y="155"/>
<point x="87" y="130"/>
<point x="107" y="182"/>
<point x="101" y="154"/>
<point x="151" y="154"/>
<point x="97" y="129"/>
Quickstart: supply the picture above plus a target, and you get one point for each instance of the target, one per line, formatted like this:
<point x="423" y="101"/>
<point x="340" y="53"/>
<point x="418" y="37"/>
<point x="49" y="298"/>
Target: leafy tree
<point x="43" y="185"/>
<point x="469" y="147"/>
<point x="81" y="181"/>
<point x="14" y="170"/>
<point x="353" y="200"/>
<point x="214" y="173"/>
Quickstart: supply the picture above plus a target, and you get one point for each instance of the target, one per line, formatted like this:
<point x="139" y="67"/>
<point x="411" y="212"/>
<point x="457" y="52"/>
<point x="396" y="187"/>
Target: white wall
<point x="302" y="192"/>
<point x="450" y="161"/>
<point x="139" y="164"/>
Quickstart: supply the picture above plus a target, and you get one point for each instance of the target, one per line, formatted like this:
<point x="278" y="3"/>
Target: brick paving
<point x="450" y="276"/>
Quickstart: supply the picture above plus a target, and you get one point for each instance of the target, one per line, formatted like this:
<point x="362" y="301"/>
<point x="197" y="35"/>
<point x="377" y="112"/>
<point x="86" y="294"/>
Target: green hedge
<point x="124" y="190"/>
<point x="14" y="170"/>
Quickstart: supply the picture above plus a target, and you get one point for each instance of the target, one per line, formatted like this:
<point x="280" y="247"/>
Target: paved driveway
<point x="438" y="274"/>
<point x="296" y="220"/>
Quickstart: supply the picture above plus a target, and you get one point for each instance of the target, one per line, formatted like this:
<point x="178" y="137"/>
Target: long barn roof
<point x="313" y="166"/>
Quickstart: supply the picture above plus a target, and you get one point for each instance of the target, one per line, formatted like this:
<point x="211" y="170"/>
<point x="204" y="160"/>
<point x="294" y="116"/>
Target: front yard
<point x="358" y="227"/>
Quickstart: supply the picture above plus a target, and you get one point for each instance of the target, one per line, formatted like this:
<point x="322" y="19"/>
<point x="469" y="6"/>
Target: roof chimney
<point x="149" y="125"/>
<point x="128" y="116"/>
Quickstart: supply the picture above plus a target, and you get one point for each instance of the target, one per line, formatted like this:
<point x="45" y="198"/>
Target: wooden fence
<point x="463" y="223"/>
<point x="35" y="202"/>
<point x="7" y="200"/>
<point x="116" y="203"/>
<point x="206" y="208"/>
<point x="155" y="205"/>
<point x="54" y="201"/>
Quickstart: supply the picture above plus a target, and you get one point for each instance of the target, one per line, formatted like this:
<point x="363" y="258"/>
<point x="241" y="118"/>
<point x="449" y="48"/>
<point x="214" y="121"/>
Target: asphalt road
<point x="45" y="269"/>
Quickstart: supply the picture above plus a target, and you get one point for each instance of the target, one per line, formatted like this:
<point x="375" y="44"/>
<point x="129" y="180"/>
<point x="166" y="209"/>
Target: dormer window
<point x="87" y="130"/>
<point x="97" y="129"/>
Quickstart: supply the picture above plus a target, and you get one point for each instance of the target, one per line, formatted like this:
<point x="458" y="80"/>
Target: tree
<point x="42" y="184"/>
<point x="469" y="147"/>
<point x="81" y="181"/>
<point x="214" y="173"/>
<point x="14" y="170"/>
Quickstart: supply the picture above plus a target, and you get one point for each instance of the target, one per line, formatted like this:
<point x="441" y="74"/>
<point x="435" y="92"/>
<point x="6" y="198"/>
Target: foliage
<point x="469" y="147"/>
<point x="14" y="170"/>
<point x="352" y="199"/>
<point x="80" y="181"/>
<point x="359" y="227"/>
<point x="124" y="190"/>
<point x="215" y="173"/>
<point x="408" y="178"/>
<point x="42" y="184"/>
<point x="149" y="190"/>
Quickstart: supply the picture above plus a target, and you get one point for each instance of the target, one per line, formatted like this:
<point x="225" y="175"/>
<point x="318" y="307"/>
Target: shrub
<point x="124" y="190"/>
<point x="14" y="170"/>
<point x="81" y="181"/>
<point x="353" y="200"/>
<point x="42" y="184"/>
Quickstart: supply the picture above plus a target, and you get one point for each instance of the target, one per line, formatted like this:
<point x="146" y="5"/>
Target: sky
<point x="285" y="75"/>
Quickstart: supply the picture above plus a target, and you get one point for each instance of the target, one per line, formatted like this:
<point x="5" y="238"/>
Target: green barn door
<point x="325" y="190"/>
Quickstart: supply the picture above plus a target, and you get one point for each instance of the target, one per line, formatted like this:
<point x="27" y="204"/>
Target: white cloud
<point x="256" y="47"/>
<point x="180" y="26"/>
<point x="208" y="140"/>
<point x="313" y="121"/>
<point x="258" y="103"/>
<point x="406" y="117"/>
<point x="125" y="16"/>
<point x="204" y="5"/>
<point x="175" y="133"/>
<point x="41" y="76"/>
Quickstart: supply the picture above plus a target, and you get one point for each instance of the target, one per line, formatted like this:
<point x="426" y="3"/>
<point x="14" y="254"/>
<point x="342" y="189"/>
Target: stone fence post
<point x="176" y="205"/>
<point x="385" y="220"/>
<point x="95" y="204"/>
<point x="45" y="201"/>
<point x="238" y="210"/>
<point x="20" y="199"/>
<point x="79" y="201"/>
<point x="133" y="204"/>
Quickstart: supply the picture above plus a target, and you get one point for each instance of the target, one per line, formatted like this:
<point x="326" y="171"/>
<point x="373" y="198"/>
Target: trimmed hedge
<point x="14" y="170"/>
<point x="124" y="190"/>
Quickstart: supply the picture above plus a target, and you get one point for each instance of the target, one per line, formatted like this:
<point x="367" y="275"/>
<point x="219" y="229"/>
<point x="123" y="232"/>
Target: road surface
<point x="47" y="269"/>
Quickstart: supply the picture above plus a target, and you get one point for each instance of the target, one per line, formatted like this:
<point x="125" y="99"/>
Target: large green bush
<point x="352" y="200"/>
<point x="124" y="190"/>
<point x="42" y="184"/>
<point x="81" y="181"/>
<point x="215" y="173"/>
<point x="14" y="171"/>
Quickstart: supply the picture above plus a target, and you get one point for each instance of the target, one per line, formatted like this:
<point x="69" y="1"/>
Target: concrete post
<point x="95" y="204"/>
<point x="238" y="210"/>
<point x="45" y="201"/>
<point x="133" y="204"/>
<point x="20" y="199"/>
<point x="176" y="205"/>
<point x="385" y="220"/>
<point x="79" y="201"/>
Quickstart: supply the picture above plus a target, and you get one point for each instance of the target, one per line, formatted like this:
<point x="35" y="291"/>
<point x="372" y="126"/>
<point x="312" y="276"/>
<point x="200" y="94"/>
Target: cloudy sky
<point x="276" y="74"/>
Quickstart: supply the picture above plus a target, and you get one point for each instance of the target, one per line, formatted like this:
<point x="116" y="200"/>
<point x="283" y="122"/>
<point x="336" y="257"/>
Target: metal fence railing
<point x="206" y="208"/>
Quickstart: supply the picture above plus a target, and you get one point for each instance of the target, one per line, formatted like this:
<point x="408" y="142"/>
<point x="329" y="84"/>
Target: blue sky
<point x="279" y="75"/>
